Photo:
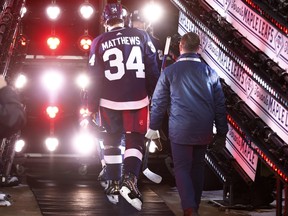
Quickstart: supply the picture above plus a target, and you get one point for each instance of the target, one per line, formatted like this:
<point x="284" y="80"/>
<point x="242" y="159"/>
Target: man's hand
<point x="3" y="82"/>
<point x="154" y="135"/>
<point x="219" y="142"/>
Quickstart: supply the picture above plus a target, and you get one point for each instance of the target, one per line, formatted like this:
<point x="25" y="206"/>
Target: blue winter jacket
<point x="191" y="91"/>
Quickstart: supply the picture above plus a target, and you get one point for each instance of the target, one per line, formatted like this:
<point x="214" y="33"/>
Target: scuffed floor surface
<point x="158" y="200"/>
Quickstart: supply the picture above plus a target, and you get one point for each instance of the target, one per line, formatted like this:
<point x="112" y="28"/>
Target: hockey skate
<point x="129" y="191"/>
<point x="4" y="196"/>
<point x="112" y="191"/>
<point x="9" y="181"/>
<point x="102" y="178"/>
<point x="5" y="199"/>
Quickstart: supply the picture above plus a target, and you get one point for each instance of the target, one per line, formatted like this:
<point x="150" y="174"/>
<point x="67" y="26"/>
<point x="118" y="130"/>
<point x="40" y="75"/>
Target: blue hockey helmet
<point x="112" y="11"/>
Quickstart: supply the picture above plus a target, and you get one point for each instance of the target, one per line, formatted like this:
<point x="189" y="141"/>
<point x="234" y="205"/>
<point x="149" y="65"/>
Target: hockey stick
<point x="146" y="171"/>
<point x="166" y="51"/>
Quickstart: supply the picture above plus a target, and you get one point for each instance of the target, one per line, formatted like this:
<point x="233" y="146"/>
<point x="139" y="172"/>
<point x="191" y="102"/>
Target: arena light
<point x="85" y="42"/>
<point x="51" y="143"/>
<point x="82" y="81"/>
<point x="23" y="11"/>
<point x="84" y="143"/>
<point x="53" y="11"/>
<point x="154" y="9"/>
<point x="52" y="111"/>
<point x="53" y="42"/>
<point x="20" y="81"/>
<point x="52" y="80"/>
<point x="19" y="145"/>
<point x="86" y="10"/>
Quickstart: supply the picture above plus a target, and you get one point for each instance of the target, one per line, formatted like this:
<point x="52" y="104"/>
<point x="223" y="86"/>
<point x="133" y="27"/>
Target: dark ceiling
<point x="69" y="27"/>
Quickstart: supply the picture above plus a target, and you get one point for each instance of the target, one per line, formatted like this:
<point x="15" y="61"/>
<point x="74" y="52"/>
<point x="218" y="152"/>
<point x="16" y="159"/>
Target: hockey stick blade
<point x="152" y="176"/>
<point x="146" y="171"/>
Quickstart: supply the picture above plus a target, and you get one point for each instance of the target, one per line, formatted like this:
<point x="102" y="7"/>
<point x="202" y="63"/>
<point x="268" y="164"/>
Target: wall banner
<point x="268" y="38"/>
<point x="242" y="153"/>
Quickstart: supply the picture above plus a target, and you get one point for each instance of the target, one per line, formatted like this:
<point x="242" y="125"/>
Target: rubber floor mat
<point x="86" y="198"/>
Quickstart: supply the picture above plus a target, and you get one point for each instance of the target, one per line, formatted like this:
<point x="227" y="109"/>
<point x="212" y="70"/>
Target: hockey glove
<point x="219" y="142"/>
<point x="154" y="135"/>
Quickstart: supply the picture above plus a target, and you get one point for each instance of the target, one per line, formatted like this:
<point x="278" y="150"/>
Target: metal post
<point x="12" y="10"/>
<point x="285" y="213"/>
<point x="279" y="188"/>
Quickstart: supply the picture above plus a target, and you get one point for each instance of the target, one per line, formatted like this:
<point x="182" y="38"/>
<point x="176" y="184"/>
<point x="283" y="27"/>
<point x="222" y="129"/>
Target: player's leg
<point x="135" y="125"/>
<point x="112" y="121"/>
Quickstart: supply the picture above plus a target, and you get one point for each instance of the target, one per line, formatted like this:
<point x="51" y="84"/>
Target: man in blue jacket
<point x="191" y="91"/>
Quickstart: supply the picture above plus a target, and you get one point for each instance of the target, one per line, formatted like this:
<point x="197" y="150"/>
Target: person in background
<point x="192" y="92"/>
<point x="12" y="119"/>
<point x="136" y="20"/>
<point x="124" y="72"/>
<point x="12" y="113"/>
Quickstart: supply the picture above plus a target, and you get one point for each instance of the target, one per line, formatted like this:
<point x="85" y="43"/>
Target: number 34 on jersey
<point x="134" y="62"/>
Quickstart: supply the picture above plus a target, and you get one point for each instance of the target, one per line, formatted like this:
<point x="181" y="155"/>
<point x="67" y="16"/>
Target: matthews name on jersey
<point x="123" y="69"/>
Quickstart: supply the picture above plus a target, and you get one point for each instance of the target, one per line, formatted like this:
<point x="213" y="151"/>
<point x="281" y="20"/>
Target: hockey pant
<point x="128" y="125"/>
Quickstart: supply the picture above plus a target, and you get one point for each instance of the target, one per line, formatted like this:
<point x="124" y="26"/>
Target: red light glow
<point x="85" y="42"/>
<point x="52" y="111"/>
<point x="53" y="42"/>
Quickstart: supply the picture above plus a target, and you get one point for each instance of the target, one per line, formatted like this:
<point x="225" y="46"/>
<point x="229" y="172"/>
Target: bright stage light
<point x="154" y="9"/>
<point x="21" y="81"/>
<point x="23" y="11"/>
<point x="82" y="81"/>
<point x="85" y="42"/>
<point x="53" y="42"/>
<point x="19" y="145"/>
<point x="86" y="10"/>
<point x="84" y="143"/>
<point x="52" y="80"/>
<point x="53" y="12"/>
<point x="51" y="143"/>
<point x="52" y="111"/>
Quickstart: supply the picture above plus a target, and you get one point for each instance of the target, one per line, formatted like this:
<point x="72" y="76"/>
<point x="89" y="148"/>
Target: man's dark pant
<point x="189" y="164"/>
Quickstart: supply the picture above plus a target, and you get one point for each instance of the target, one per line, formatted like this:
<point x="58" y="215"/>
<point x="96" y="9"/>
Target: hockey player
<point x="123" y="70"/>
<point x="136" y="20"/>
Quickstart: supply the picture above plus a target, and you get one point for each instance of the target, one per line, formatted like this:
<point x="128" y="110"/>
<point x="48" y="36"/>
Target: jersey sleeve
<point x="95" y="73"/>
